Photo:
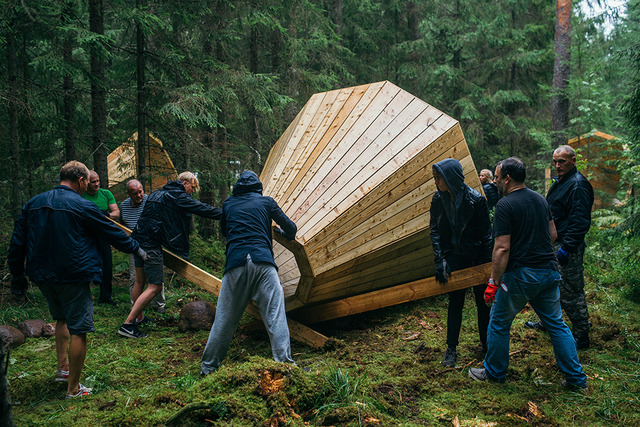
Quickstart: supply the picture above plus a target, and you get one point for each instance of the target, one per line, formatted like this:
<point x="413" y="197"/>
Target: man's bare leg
<point x="143" y="301"/>
<point x="62" y="344"/>
<point x="77" y="354"/>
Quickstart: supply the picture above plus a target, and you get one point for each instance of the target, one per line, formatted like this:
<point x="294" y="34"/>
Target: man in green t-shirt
<point x="105" y="201"/>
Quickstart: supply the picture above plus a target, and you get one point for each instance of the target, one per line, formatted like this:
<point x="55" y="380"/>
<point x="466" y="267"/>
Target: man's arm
<point x="552" y="231"/>
<point x="197" y="207"/>
<point x="288" y="227"/>
<point x="579" y="218"/>
<point x="501" y="250"/>
<point x="114" y="212"/>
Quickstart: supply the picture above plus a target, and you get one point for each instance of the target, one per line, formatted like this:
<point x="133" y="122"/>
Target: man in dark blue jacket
<point x="461" y="238"/>
<point x="165" y="221"/>
<point x="250" y="271"/>
<point x="571" y="199"/>
<point x="58" y="233"/>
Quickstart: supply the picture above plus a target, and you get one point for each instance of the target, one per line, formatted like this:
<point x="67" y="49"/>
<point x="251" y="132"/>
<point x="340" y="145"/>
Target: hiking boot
<point x="582" y="342"/>
<point x="450" y="358"/>
<point x="130" y="330"/>
<point x="62" y="375"/>
<point x="82" y="391"/>
<point x="535" y="325"/>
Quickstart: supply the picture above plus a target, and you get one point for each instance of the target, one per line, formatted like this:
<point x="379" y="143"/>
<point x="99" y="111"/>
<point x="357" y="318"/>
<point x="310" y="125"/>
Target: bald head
<point x="94" y="183"/>
<point x="135" y="191"/>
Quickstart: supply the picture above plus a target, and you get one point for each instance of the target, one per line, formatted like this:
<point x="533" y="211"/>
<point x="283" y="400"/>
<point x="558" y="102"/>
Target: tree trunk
<point x="13" y="121"/>
<point x="561" y="73"/>
<point x="25" y="122"/>
<point x="68" y="98"/>
<point x="98" y="96"/>
<point x="412" y="20"/>
<point x="336" y="16"/>
<point x="143" y="173"/>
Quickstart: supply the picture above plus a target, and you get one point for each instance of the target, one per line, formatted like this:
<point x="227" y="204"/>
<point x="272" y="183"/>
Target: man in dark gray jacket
<point x="571" y="199"/>
<point x="250" y="271"/>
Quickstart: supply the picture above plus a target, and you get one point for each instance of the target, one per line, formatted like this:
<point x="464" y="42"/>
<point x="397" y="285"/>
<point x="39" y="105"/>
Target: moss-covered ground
<point x="384" y="370"/>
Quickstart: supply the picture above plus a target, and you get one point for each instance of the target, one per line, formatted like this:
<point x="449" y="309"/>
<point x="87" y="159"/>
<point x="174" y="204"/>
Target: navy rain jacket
<point x="246" y="223"/>
<point x="58" y="232"/>
<point x="460" y="228"/>
<point x="166" y="218"/>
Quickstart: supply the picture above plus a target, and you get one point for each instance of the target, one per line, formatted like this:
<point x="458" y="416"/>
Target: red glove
<point x="490" y="292"/>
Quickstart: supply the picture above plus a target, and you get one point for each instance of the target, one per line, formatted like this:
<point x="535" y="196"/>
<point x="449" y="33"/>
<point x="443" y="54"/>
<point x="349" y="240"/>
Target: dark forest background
<point x="219" y="81"/>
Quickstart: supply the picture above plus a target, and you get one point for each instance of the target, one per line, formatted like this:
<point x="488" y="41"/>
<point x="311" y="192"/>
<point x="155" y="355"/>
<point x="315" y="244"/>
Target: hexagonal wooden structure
<point x="353" y="171"/>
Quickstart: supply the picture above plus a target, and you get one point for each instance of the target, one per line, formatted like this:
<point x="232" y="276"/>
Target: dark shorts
<point x="153" y="266"/>
<point x="72" y="303"/>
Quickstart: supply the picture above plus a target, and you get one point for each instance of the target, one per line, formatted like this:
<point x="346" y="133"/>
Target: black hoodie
<point x="246" y="223"/>
<point x="460" y="225"/>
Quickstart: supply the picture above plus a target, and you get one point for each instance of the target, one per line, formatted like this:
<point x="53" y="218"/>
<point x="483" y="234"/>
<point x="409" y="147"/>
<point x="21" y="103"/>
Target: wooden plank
<point x="417" y="170"/>
<point x="317" y="124"/>
<point x="360" y="143"/>
<point x="366" y="110"/>
<point x="412" y="142"/>
<point x="413" y="291"/>
<point x="351" y="109"/>
<point x="306" y="118"/>
<point x="305" y="334"/>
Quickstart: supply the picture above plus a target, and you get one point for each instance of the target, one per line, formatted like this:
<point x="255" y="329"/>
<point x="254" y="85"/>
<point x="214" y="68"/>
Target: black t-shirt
<point x="525" y="215"/>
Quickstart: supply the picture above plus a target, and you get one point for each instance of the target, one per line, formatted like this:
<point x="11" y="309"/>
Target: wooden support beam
<point x="210" y="283"/>
<point x="392" y="296"/>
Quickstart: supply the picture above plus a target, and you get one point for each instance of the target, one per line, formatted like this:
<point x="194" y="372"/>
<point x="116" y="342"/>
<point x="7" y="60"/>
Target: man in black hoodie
<point x="165" y="221"/>
<point x="250" y="271"/>
<point x="461" y="238"/>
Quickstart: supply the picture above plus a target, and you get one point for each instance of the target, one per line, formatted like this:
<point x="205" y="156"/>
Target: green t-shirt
<point x="103" y="198"/>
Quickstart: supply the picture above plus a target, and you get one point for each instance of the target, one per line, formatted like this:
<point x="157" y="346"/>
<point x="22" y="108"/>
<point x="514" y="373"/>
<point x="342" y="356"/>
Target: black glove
<point x="279" y="231"/>
<point x="443" y="271"/>
<point x="19" y="285"/>
<point x="142" y="254"/>
<point x="563" y="256"/>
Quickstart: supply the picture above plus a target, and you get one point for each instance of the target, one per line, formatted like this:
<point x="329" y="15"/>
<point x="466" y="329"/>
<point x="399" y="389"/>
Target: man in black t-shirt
<point x="525" y="267"/>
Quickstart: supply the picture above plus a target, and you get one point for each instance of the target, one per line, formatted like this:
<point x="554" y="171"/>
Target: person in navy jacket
<point x="250" y="271"/>
<point x="58" y="233"/>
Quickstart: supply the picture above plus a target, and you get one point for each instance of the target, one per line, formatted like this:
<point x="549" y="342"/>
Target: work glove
<point x="279" y="231"/>
<point x="563" y="257"/>
<point x="142" y="254"/>
<point x="490" y="293"/>
<point x="19" y="285"/>
<point x="443" y="271"/>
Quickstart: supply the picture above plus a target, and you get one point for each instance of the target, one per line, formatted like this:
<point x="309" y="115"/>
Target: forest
<point x="218" y="82"/>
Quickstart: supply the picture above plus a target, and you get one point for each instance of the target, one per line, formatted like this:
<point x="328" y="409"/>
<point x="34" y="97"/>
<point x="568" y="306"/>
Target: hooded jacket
<point x="166" y="218"/>
<point x="460" y="225"/>
<point x="570" y="200"/>
<point x="246" y="223"/>
<point x="57" y="233"/>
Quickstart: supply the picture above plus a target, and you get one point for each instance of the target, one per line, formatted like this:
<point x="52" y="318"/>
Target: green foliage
<point x="207" y="254"/>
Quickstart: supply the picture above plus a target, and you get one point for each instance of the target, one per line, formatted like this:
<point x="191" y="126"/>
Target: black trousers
<point x="456" y="304"/>
<point x="106" y="285"/>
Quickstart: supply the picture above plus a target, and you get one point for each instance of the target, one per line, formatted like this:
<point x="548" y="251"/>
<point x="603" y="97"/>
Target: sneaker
<point x="573" y="387"/>
<point x="82" y="391"/>
<point x="62" y="375"/>
<point x="450" y="358"/>
<point x="144" y="321"/>
<point x="159" y="310"/>
<point x="130" y="330"/>
<point x="535" y="325"/>
<point x="480" y="374"/>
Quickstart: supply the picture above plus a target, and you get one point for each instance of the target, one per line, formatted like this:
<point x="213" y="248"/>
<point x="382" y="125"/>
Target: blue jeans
<point x="539" y="287"/>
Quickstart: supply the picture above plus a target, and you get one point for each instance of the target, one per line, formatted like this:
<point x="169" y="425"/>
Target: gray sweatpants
<point x="240" y="285"/>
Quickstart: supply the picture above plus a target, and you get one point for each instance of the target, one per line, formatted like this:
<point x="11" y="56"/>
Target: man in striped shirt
<point x="130" y="210"/>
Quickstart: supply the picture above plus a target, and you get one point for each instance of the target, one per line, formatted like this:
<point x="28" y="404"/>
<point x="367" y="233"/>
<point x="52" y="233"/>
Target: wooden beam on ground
<point x="411" y="291"/>
<point x="210" y="283"/>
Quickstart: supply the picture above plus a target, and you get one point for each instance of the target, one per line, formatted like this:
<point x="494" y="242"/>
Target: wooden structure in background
<point x="353" y="171"/>
<point x="123" y="165"/>
<point x="598" y="149"/>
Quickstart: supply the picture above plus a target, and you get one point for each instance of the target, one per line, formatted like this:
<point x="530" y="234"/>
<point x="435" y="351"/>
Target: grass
<point x="385" y="371"/>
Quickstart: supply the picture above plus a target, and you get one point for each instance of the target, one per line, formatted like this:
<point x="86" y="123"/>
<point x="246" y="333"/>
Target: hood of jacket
<point x="248" y="182"/>
<point x="451" y="172"/>
<point x="173" y="186"/>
